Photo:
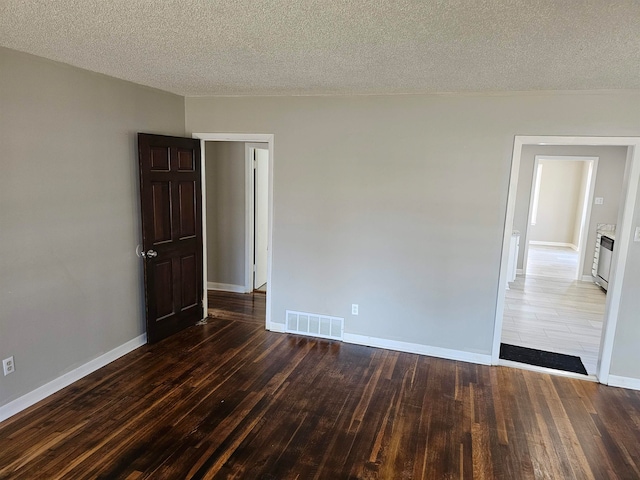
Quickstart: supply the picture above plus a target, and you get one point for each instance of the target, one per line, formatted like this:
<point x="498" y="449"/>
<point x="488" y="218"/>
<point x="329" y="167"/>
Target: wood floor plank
<point x="228" y="399"/>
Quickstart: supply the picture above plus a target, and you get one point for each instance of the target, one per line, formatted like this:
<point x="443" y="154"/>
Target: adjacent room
<point x="288" y="239"/>
<point x="567" y="196"/>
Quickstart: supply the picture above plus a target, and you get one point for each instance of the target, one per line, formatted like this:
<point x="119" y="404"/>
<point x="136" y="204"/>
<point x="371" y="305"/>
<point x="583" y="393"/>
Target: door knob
<point x="150" y="254"/>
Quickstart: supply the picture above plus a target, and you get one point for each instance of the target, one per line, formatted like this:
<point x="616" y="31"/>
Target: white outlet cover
<point x="8" y="365"/>
<point x="636" y="236"/>
<point x="599" y="200"/>
<point x="354" y="309"/>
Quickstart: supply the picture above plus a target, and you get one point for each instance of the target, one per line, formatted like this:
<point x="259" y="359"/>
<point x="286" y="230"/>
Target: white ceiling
<point x="290" y="47"/>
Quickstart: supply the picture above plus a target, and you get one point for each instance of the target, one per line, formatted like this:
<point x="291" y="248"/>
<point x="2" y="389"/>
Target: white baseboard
<point x="68" y="378"/>
<point x="519" y="271"/>
<point x="624" y="382"/>
<point x="553" y="244"/>
<point x="226" y="287"/>
<point x="277" y="327"/>
<point x="586" y="278"/>
<point x="418" y="348"/>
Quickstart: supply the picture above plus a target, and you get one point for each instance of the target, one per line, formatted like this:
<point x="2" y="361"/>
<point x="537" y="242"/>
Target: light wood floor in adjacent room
<point x="549" y="310"/>
<point x="228" y="399"/>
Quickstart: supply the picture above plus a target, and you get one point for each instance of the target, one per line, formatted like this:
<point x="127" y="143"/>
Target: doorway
<point x="561" y="196"/>
<point x="553" y="305"/>
<point x="265" y="142"/>
<point x="624" y="225"/>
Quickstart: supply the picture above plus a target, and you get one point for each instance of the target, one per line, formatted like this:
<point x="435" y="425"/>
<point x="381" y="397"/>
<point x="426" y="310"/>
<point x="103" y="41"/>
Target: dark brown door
<point x="171" y="201"/>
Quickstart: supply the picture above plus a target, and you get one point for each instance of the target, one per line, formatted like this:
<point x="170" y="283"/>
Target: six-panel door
<point x="171" y="201"/>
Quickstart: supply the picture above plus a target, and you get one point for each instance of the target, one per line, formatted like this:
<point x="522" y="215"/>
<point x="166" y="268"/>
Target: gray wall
<point x="609" y="182"/>
<point x="225" y="183"/>
<point x="580" y="204"/>
<point x="560" y="189"/>
<point x="626" y="358"/>
<point x="398" y="203"/>
<point x="70" y="282"/>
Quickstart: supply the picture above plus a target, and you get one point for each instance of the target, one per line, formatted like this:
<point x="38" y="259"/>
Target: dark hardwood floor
<point x="228" y="399"/>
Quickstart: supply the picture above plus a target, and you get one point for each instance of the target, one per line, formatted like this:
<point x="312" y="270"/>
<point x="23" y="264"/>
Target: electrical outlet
<point x="354" y="309"/>
<point x="8" y="366"/>
<point x="636" y="236"/>
<point x="599" y="201"/>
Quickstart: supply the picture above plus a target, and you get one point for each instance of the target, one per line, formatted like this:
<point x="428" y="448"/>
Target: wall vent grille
<point x="315" y="325"/>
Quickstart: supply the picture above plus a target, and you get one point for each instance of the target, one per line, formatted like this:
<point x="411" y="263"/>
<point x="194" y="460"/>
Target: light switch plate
<point x="636" y="236"/>
<point x="599" y="200"/>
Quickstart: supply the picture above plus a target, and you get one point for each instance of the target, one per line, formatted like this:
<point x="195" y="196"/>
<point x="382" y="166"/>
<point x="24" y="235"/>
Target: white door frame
<point x="623" y="237"/>
<point x="263" y="138"/>
<point x="585" y="217"/>
<point x="250" y="215"/>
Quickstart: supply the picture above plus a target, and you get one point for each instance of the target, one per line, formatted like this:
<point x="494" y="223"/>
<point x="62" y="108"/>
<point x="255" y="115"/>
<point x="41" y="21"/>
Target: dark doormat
<point x="541" y="358"/>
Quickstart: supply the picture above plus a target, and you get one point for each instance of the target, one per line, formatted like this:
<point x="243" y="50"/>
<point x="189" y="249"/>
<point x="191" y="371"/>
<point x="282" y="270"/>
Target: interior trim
<point x="479" y="358"/>
<point x="624" y="382"/>
<point x="227" y="287"/>
<point x="57" y="384"/>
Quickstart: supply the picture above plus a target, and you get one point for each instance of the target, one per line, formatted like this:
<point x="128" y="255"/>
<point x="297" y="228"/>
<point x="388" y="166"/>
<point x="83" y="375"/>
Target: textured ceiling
<point x="285" y="47"/>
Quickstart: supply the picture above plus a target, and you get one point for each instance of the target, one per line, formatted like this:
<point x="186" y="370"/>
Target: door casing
<point x="255" y="207"/>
